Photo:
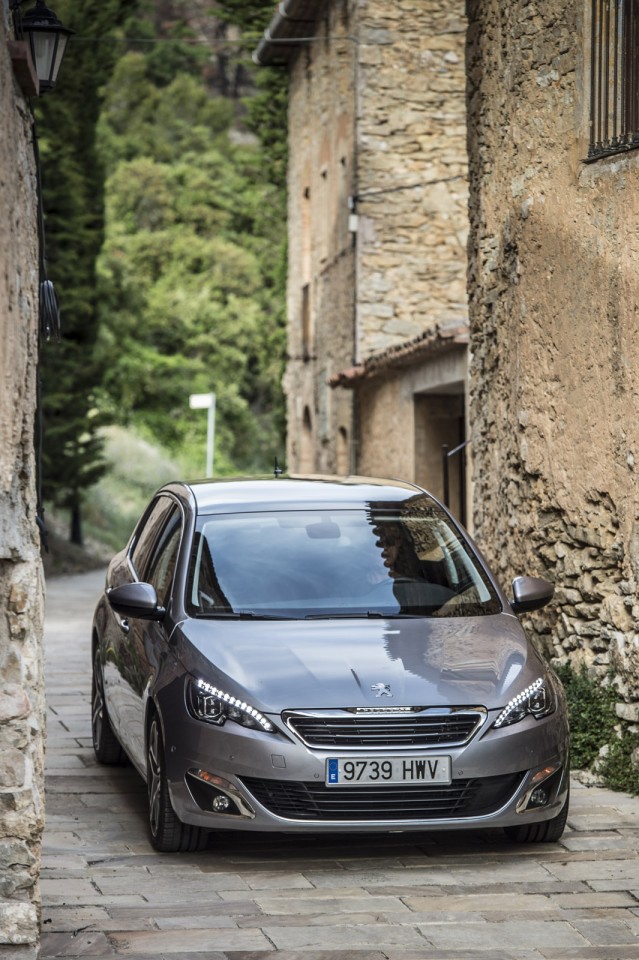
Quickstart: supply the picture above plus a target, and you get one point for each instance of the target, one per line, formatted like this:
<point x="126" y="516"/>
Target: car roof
<point x="290" y="492"/>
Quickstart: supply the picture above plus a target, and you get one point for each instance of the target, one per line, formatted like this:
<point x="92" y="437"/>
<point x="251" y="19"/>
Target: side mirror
<point x="530" y="593"/>
<point x="136" y="600"/>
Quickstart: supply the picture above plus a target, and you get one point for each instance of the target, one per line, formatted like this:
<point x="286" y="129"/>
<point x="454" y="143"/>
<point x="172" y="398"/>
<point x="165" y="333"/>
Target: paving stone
<point x="367" y="935"/>
<point x="67" y="888"/>
<point x="156" y="890"/>
<point x="370" y="879"/>
<point x="95" y="899"/>
<point x="283" y="881"/>
<point x="612" y="841"/>
<point x="58" y="919"/>
<point x="75" y="945"/>
<point x="301" y="955"/>
<point x="603" y="932"/>
<point x="175" y="941"/>
<point x="430" y="953"/>
<point x="626" y="951"/>
<point x="481" y="902"/>
<point x="550" y="886"/>
<point x="583" y="901"/>
<point x="603" y="822"/>
<point x="276" y="906"/>
<point x="202" y="922"/>
<point x="488" y="935"/>
<point x="626" y="870"/>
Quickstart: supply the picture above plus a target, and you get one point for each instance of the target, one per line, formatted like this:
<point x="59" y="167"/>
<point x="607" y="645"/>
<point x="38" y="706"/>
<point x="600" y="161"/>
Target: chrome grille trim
<point x="426" y="728"/>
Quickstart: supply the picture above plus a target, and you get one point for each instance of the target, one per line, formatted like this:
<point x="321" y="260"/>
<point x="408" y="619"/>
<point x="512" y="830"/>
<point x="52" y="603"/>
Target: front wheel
<point x="547" y="831"/>
<point x="105" y="743"/>
<point x="168" y="833"/>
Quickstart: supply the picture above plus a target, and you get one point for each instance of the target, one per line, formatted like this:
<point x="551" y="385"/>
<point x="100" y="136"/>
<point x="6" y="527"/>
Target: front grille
<point x="439" y="728"/>
<point x="316" y="801"/>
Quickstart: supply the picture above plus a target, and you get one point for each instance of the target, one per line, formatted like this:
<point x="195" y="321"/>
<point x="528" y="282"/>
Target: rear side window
<point x="145" y="537"/>
<point x="163" y="561"/>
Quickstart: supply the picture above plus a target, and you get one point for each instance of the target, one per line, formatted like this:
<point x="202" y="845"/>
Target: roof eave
<point x="431" y="343"/>
<point x="293" y="20"/>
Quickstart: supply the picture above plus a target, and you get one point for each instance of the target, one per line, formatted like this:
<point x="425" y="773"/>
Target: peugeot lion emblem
<point x="381" y="689"/>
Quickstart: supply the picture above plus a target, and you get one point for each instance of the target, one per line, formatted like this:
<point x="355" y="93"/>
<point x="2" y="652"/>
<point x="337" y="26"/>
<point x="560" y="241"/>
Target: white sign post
<point x="206" y="401"/>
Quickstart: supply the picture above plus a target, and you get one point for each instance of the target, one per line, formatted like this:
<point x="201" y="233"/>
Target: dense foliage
<point x="165" y="219"/>
<point x="191" y="274"/>
<point x="72" y="200"/>
<point x="598" y="740"/>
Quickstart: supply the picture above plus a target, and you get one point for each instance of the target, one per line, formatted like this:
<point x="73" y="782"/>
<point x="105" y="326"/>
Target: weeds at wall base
<point x="600" y="741"/>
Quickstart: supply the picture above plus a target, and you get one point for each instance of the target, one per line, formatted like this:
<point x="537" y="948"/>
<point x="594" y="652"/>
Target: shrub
<point x="594" y="725"/>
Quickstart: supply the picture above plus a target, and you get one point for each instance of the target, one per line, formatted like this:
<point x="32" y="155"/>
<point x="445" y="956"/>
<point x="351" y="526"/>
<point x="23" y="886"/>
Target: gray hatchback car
<point x="322" y="654"/>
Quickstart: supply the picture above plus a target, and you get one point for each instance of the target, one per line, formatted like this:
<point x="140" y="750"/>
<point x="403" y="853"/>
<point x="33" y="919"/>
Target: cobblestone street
<point x="106" y="893"/>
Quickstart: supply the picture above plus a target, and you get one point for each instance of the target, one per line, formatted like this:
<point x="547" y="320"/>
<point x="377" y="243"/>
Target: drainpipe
<point x="356" y="423"/>
<point x="356" y="244"/>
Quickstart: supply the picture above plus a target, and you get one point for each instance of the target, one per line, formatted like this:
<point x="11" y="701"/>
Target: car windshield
<point x="385" y="559"/>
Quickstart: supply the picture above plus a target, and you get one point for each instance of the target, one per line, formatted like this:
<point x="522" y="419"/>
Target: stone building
<point x="21" y="588"/>
<point x="554" y="302"/>
<point x="376" y="381"/>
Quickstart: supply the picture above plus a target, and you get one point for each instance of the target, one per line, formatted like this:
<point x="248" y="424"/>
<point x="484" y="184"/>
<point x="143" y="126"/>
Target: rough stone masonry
<point x="21" y="587"/>
<point x="553" y="309"/>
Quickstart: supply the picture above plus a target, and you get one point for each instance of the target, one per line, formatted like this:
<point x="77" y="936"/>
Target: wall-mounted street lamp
<point x="41" y="33"/>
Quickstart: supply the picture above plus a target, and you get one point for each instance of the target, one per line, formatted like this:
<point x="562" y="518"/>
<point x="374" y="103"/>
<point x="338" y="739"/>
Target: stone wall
<point x="412" y="167"/>
<point x="321" y="262"/>
<point x="21" y="588"/>
<point x="553" y="310"/>
<point x="376" y="112"/>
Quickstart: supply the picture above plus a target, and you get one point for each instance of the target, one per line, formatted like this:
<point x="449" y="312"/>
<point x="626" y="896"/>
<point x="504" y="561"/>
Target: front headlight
<point x="538" y="700"/>
<point x="213" y="705"/>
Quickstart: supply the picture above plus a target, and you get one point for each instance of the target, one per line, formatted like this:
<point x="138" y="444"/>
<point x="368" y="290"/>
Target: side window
<point x="164" y="557"/>
<point x="148" y="533"/>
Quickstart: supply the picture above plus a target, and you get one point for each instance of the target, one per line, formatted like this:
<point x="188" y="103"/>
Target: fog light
<point x="542" y="789"/>
<point x="214" y="794"/>
<point x="538" y="798"/>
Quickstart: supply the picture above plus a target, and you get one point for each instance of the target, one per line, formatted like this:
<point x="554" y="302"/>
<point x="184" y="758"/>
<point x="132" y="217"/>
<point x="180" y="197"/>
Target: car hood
<point x="278" y="665"/>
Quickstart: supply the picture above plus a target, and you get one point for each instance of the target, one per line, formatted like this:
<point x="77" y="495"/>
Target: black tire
<point x="168" y="833"/>
<point x="105" y="743"/>
<point x="546" y="831"/>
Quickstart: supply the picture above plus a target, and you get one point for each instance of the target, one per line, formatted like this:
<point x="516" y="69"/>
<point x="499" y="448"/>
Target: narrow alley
<point x="106" y="893"/>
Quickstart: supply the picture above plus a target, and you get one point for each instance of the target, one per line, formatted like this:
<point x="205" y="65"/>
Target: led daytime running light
<point x="519" y="701"/>
<point x="235" y="702"/>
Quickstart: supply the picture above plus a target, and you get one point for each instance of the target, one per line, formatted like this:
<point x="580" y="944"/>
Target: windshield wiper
<point x="364" y="615"/>
<point x="240" y="615"/>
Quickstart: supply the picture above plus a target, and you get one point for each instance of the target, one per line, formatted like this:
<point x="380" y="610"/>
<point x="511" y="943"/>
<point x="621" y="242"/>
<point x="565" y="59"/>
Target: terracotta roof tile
<point x="430" y="343"/>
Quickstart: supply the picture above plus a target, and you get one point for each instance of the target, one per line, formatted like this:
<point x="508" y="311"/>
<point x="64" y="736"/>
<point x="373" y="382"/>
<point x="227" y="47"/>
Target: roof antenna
<point x="277" y="470"/>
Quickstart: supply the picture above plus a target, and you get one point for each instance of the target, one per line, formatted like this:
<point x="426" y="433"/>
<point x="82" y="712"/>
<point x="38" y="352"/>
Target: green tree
<point x="73" y="206"/>
<point x="191" y="296"/>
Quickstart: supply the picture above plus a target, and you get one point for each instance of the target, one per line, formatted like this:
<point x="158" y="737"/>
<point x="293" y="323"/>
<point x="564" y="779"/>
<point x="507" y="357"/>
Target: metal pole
<point x="446" y="485"/>
<point x="210" y="437"/>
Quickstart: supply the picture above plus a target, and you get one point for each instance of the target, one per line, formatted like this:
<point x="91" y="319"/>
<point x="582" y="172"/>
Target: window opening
<point x="307" y="331"/>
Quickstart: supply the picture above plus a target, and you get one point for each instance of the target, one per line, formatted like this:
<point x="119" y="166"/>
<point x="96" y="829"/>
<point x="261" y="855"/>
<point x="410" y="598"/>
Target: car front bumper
<point x="273" y="783"/>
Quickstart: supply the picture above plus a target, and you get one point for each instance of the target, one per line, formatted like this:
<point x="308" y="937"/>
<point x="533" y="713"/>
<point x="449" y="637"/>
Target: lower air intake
<point x="316" y="801"/>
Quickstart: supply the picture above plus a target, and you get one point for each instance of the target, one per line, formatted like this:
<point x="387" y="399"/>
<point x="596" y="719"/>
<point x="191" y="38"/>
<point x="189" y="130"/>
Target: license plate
<point x="386" y="771"/>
